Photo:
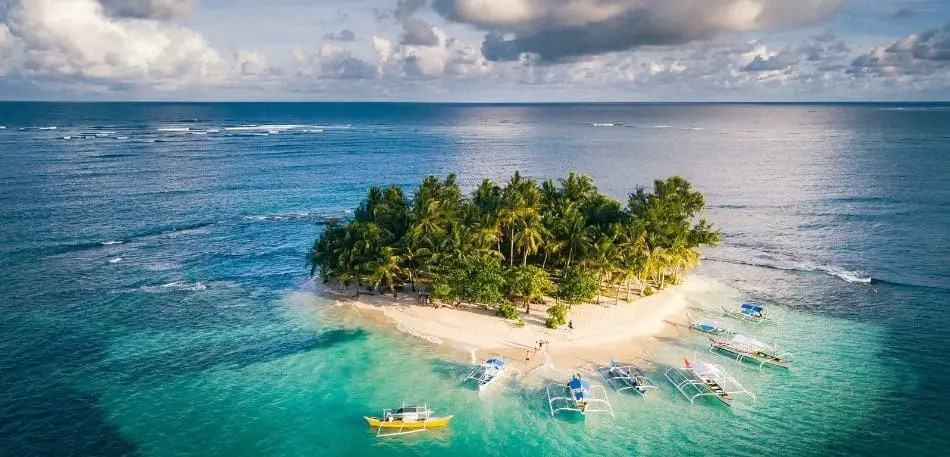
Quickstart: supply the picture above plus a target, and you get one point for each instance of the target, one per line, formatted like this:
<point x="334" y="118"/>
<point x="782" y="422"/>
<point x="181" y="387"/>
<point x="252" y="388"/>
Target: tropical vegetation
<point x="510" y="246"/>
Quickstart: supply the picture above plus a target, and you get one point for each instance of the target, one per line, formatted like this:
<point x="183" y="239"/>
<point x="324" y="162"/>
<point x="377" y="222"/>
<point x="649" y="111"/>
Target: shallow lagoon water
<point x="203" y="337"/>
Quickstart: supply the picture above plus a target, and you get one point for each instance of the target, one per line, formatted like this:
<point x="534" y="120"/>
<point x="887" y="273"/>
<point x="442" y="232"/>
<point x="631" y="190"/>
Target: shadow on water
<point x="59" y="421"/>
<point x="234" y="354"/>
<point x="40" y="414"/>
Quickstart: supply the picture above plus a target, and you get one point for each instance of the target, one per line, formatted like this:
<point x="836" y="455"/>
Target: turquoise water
<point x="156" y="303"/>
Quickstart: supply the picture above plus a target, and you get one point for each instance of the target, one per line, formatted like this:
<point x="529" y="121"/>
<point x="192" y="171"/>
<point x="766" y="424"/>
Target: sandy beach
<point x="612" y="328"/>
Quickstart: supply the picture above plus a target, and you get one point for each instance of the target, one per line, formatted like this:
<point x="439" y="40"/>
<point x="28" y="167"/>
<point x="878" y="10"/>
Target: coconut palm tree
<point x="387" y="270"/>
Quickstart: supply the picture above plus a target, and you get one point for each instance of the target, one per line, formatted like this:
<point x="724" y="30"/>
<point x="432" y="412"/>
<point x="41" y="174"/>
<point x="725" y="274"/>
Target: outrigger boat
<point x="748" y="349"/>
<point x="748" y="312"/>
<point x="625" y="377"/>
<point x="406" y="419"/>
<point x="709" y="327"/>
<point x="578" y="395"/>
<point x="703" y="379"/>
<point x="492" y="371"/>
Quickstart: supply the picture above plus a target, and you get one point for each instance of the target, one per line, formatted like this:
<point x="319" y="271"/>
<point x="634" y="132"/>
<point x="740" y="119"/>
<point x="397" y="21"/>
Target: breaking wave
<point x="176" y="286"/>
<point x="807" y="267"/>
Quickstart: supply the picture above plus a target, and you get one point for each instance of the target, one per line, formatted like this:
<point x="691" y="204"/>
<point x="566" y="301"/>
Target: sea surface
<point x="155" y="302"/>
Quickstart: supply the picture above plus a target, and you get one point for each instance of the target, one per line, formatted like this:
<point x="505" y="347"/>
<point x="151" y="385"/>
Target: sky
<point x="476" y="50"/>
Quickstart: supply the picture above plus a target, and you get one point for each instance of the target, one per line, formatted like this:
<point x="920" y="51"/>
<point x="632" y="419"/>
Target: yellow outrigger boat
<point x="406" y="419"/>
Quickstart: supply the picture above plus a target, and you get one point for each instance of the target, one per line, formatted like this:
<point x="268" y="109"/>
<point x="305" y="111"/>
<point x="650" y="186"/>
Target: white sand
<point x="598" y="328"/>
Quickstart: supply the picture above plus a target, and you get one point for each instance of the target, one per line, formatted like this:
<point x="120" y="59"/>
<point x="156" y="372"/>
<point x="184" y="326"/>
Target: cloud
<point x="558" y="30"/>
<point x="407" y="8"/>
<point x="418" y="32"/>
<point x="784" y="60"/>
<point x="926" y="53"/>
<point x="905" y="13"/>
<point x="147" y="9"/>
<point x="342" y="35"/>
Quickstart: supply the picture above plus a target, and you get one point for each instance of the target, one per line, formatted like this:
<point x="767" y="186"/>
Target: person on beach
<point x="527" y="355"/>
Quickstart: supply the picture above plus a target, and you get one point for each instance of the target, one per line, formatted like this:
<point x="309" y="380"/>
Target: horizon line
<point x="492" y="102"/>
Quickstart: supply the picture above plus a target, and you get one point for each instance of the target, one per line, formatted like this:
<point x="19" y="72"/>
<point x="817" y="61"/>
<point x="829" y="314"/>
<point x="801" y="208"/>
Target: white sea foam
<point x="115" y="260"/>
<point x="67" y="137"/>
<point x="111" y="242"/>
<point x="173" y="129"/>
<point x="49" y="128"/>
<point x="3" y="127"/>
<point x="176" y="286"/>
<point x="606" y="124"/>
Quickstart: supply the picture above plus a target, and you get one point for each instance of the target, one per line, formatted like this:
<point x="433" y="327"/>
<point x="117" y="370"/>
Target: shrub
<point x="649" y="291"/>
<point x="520" y="323"/>
<point x="508" y="311"/>
<point x="558" y="315"/>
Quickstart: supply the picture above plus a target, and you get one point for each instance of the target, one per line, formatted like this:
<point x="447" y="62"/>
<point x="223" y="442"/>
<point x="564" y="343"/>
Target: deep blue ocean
<point x="155" y="300"/>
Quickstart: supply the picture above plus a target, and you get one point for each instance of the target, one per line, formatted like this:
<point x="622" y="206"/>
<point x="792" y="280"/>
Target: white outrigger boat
<point x="744" y="349"/>
<point x="625" y="377"/>
<point x="405" y="420"/>
<point x="702" y="379"/>
<point x="709" y="327"/>
<point x="748" y="312"/>
<point x="492" y="372"/>
<point x="578" y="395"/>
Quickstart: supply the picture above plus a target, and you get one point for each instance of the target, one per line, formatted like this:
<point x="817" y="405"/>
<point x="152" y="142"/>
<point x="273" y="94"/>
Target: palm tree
<point x="387" y="270"/>
<point x="530" y="236"/>
<point x="575" y="234"/>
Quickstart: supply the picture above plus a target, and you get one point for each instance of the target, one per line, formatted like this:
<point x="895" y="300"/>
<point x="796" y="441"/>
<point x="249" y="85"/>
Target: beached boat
<point x="493" y="371"/>
<point x="702" y="379"/>
<point x="406" y="419"/>
<point x="748" y="312"/>
<point x="745" y="349"/>
<point x="579" y="396"/>
<point x="622" y="377"/>
<point x="709" y="327"/>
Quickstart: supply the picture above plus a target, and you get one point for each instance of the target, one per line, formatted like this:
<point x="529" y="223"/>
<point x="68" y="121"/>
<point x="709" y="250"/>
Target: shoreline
<point x="622" y="331"/>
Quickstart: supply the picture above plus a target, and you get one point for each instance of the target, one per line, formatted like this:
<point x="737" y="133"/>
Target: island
<point x="517" y="267"/>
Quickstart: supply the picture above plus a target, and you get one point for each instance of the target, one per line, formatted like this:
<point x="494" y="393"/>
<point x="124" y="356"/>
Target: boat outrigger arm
<point x="747" y="349"/>
<point x="563" y="399"/>
<point x="625" y="377"/>
<point x="701" y="379"/>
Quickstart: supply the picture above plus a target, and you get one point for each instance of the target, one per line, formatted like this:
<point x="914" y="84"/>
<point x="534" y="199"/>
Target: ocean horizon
<point x="157" y="301"/>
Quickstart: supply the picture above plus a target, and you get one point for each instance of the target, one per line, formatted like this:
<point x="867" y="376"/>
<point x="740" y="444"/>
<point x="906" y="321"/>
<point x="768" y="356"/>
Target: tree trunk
<point x="628" y="288"/>
<point x="525" y="261"/>
<point x="357" y="286"/>
<point x="570" y="256"/>
<point x="545" y="261"/>
<point x="511" y="248"/>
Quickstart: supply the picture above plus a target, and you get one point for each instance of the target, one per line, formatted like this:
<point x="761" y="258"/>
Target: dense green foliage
<point x="578" y="285"/>
<point x="519" y="242"/>
<point x="557" y="316"/>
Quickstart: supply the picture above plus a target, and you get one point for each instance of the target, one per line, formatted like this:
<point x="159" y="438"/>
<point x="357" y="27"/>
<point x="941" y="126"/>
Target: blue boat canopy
<point x="707" y="326"/>
<point x="579" y="385"/>
<point x="496" y="362"/>
<point x="751" y="307"/>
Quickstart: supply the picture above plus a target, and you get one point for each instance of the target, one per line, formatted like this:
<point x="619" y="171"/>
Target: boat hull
<point x="435" y="422"/>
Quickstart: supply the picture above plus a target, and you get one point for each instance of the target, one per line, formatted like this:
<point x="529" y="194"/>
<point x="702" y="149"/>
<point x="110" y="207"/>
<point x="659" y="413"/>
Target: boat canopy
<point x="744" y="341"/>
<point x="498" y="363"/>
<point x="749" y="307"/>
<point x="707" y="326"/>
<point x="706" y="369"/>
<point x="579" y="388"/>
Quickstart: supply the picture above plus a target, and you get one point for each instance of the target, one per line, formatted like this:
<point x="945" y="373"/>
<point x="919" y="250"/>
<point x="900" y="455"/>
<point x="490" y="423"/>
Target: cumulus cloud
<point x="418" y="32"/>
<point x="557" y="30"/>
<point x="922" y="54"/>
<point x="147" y="9"/>
<point x="342" y="35"/>
<point x="784" y="60"/>
<point x="77" y="37"/>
